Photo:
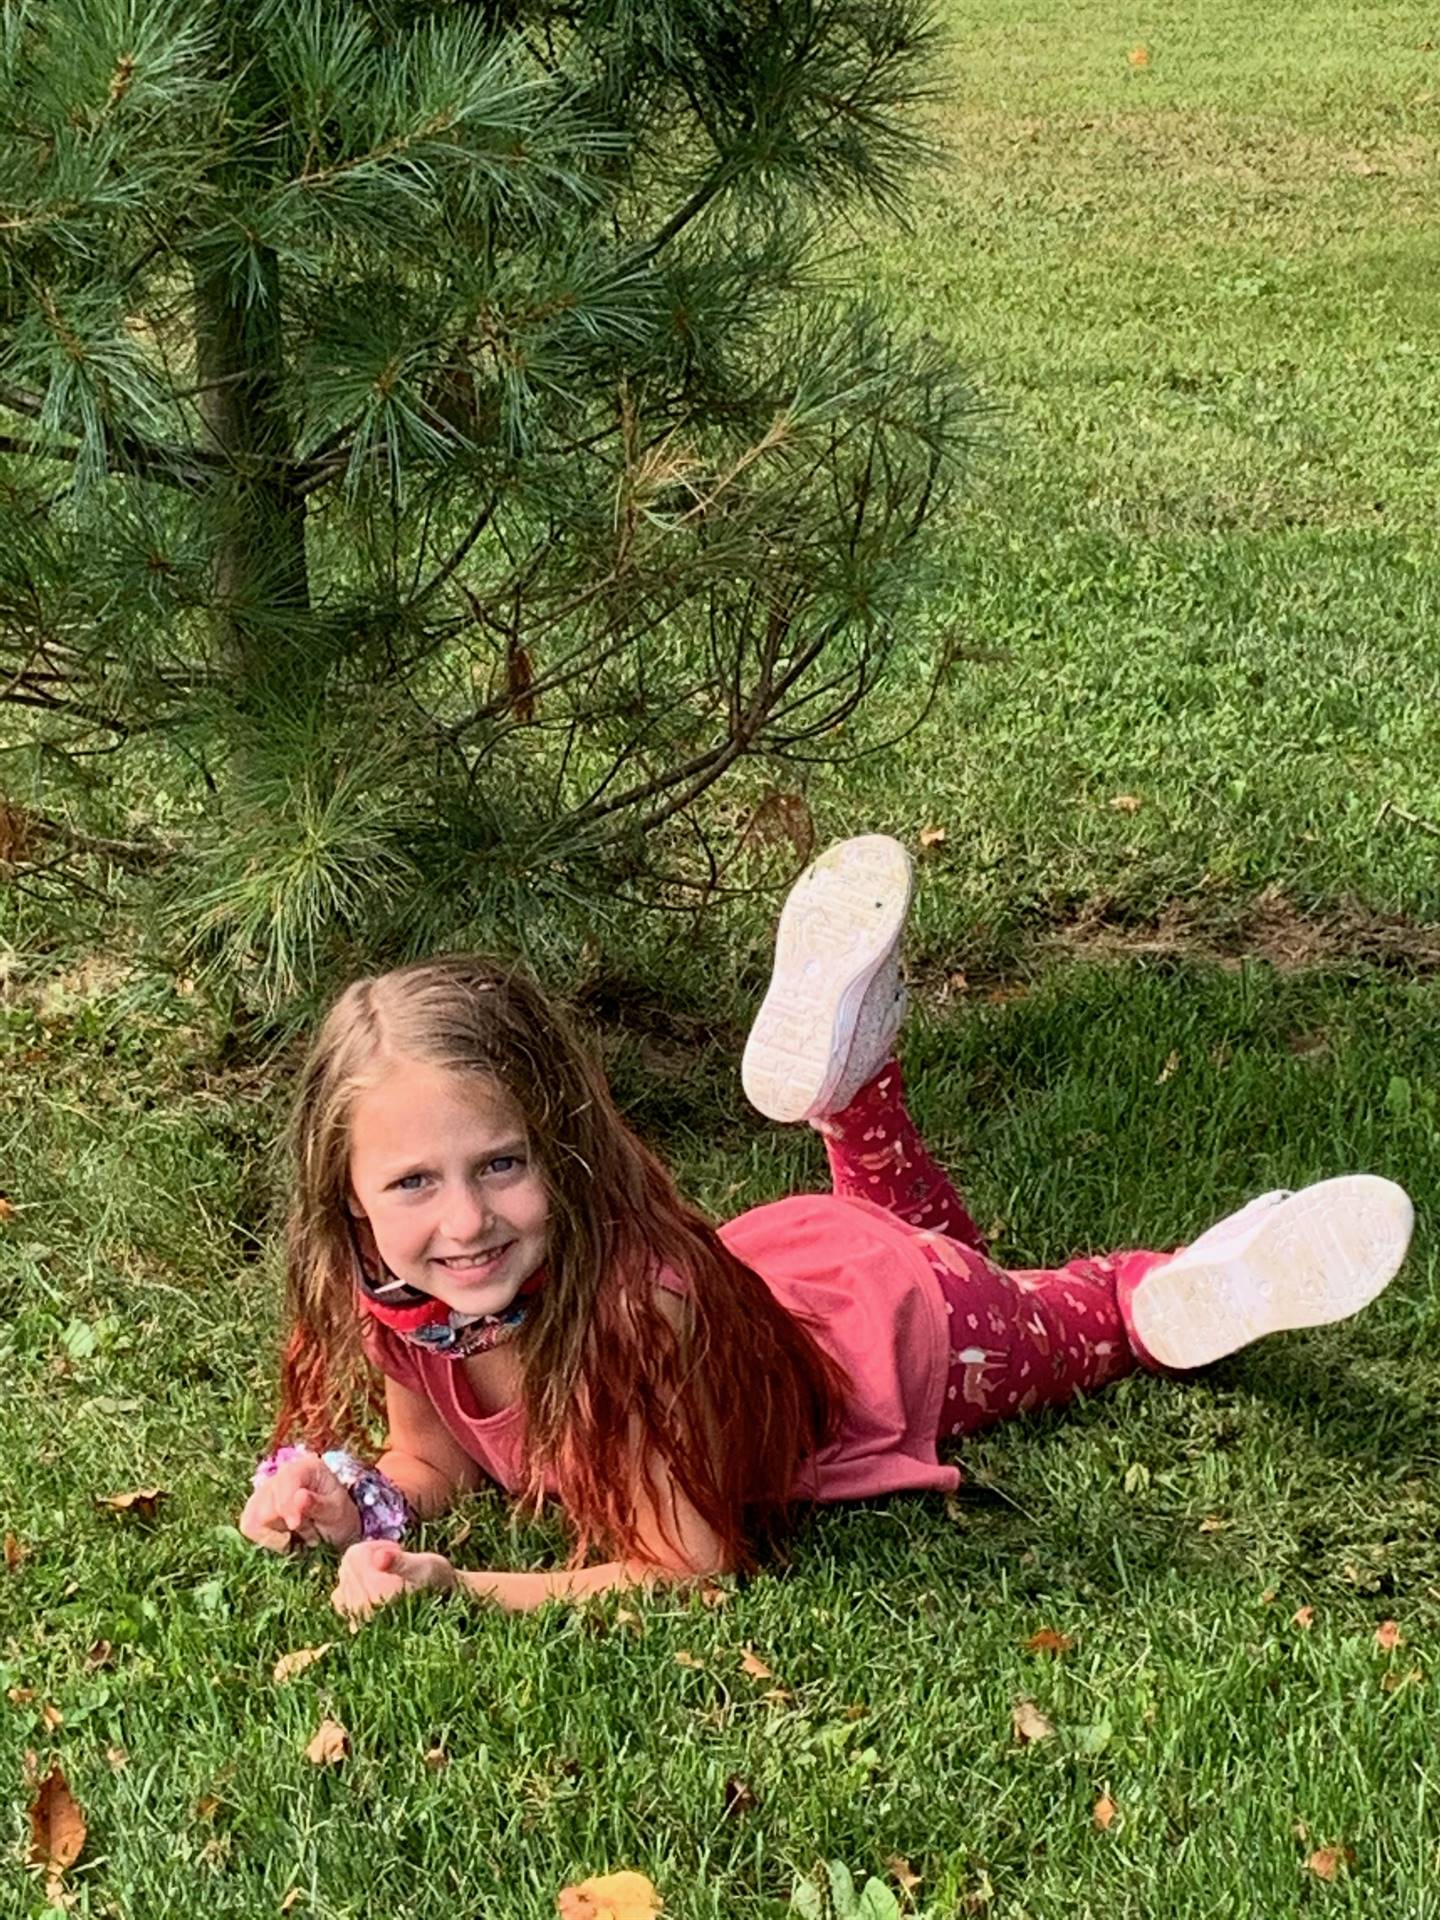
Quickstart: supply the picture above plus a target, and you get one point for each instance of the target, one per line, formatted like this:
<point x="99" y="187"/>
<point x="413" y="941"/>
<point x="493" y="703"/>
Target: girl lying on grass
<point x="474" y="1221"/>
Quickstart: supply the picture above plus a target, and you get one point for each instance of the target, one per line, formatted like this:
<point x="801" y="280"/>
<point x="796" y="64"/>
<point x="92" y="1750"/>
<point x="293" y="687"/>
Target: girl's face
<point x="440" y="1168"/>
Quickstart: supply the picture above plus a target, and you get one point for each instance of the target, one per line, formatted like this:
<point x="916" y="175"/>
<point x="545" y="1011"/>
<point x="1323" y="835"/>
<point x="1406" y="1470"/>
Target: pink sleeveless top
<point x="860" y="1280"/>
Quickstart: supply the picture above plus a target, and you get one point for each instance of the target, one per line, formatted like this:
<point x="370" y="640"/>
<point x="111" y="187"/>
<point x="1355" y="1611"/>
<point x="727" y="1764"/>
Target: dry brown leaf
<point x="1303" y="1617"/>
<point x="631" y="1621"/>
<point x="15" y="1552"/>
<point x="1212" y="1523"/>
<point x="1126" y="803"/>
<point x="777" y="1697"/>
<point x="740" y="1796"/>
<point x="780" y="817"/>
<point x="289" y="1664"/>
<point x="207" y="1806"/>
<point x="754" y="1666"/>
<point x="932" y="836"/>
<point x="1030" y="1724"/>
<point x="291" y="1900"/>
<point x="713" y="1596"/>
<point x="7" y="1208"/>
<point x="330" y="1745"/>
<point x="141" y="1500"/>
<point x="1047" y="1640"/>
<point x="1104" y="1812"/>
<point x="684" y="1658"/>
<point x="119" y="1759"/>
<point x="1326" y="1862"/>
<point x="1139" y="56"/>
<point x="53" y="1718"/>
<point x="57" y="1829"/>
<point x="436" y="1759"/>
<point x="904" y="1874"/>
<point x="610" y="1896"/>
<point x="20" y="1696"/>
<point x="1388" y="1636"/>
<point x="102" y="1654"/>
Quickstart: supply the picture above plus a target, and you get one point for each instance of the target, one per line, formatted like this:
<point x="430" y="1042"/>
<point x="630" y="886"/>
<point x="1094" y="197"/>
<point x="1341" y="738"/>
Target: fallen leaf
<point x="330" y="1745"/>
<point x="1139" y="56"/>
<point x="289" y="1664"/>
<point x="291" y="1900"/>
<point x="119" y="1759"/>
<point x="102" y="1654"/>
<point x="631" y="1621"/>
<point x="1212" y="1523"/>
<point x="1104" y="1812"/>
<point x="20" y="1696"/>
<point x="684" y="1658"/>
<point x="1388" y="1636"/>
<point x="1392" y="1680"/>
<point x="1126" y="803"/>
<point x="7" y="1208"/>
<point x="610" y="1896"/>
<point x="780" y="816"/>
<point x="740" y="1796"/>
<point x="932" y="836"/>
<point x="1047" y="1640"/>
<point x="904" y="1874"/>
<point x="755" y="1667"/>
<point x="57" y="1830"/>
<point x="1326" y="1862"/>
<point x="1030" y="1724"/>
<point x="1170" y="1068"/>
<point x="713" y="1596"/>
<point x="777" y="1697"/>
<point x="1303" y="1617"/>
<point x="53" y="1718"/>
<point x="207" y="1806"/>
<point x="435" y="1759"/>
<point x="15" y="1552"/>
<point x="141" y="1500"/>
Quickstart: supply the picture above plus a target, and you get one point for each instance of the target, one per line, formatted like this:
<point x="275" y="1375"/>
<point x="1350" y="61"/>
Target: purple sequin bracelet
<point x="385" y="1513"/>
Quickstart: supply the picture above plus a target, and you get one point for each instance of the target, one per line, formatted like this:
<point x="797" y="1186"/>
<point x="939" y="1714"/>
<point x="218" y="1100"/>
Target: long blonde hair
<point x="732" y="1403"/>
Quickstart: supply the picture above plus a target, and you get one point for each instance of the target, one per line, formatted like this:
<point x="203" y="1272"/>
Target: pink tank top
<point x="858" y="1277"/>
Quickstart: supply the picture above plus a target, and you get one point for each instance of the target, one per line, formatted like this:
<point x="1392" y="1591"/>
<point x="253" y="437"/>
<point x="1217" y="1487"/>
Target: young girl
<point x="474" y="1222"/>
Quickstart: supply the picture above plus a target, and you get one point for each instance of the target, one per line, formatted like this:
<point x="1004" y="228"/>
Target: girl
<point x="474" y="1223"/>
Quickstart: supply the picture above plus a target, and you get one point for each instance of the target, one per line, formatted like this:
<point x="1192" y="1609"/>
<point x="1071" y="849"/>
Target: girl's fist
<point x="376" y="1571"/>
<point x="302" y="1502"/>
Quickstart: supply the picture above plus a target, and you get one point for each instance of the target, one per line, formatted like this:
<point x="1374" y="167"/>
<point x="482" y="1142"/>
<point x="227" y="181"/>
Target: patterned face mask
<point x="424" y="1322"/>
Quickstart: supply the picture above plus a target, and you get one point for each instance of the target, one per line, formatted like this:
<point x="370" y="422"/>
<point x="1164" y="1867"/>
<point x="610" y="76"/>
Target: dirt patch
<point x="1269" y="928"/>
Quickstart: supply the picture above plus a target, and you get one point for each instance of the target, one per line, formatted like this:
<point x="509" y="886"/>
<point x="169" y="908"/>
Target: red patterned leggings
<point x="1018" y="1340"/>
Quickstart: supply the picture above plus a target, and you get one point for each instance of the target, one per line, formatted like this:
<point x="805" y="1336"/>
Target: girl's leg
<point x="875" y="1153"/>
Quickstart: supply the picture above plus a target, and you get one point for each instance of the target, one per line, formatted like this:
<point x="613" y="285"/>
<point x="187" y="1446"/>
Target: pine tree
<point x="440" y="442"/>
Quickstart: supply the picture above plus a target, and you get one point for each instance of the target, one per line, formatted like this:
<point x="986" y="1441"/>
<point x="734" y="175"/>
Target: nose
<point x="466" y="1217"/>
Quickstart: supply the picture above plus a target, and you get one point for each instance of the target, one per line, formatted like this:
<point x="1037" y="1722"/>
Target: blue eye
<point x="405" y="1180"/>
<point x="504" y="1163"/>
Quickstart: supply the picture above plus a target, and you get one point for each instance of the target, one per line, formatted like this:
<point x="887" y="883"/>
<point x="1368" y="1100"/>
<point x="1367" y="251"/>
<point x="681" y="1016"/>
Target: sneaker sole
<point x="1317" y="1257"/>
<point x="842" y="918"/>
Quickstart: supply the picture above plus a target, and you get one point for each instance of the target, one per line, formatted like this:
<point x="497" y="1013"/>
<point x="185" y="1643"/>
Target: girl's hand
<point x="376" y="1571"/>
<point x="301" y="1502"/>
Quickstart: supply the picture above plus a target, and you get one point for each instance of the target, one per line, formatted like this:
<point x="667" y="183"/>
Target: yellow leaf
<point x="610" y="1896"/>
<point x="1030" y="1724"/>
<point x="289" y="1664"/>
<point x="1304" y="1618"/>
<point x="1105" y="1811"/>
<point x="753" y="1665"/>
<point x="330" y="1745"/>
<point x="1126" y="803"/>
<point x="932" y="836"/>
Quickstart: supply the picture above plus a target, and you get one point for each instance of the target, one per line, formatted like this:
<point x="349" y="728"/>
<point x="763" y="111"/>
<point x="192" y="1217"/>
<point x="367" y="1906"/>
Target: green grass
<point x="1203" y="294"/>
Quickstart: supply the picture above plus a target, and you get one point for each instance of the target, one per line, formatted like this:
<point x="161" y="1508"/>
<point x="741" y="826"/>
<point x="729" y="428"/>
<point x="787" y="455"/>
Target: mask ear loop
<point x="389" y="1292"/>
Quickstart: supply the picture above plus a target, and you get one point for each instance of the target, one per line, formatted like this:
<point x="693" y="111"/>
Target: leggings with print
<point x="1017" y="1340"/>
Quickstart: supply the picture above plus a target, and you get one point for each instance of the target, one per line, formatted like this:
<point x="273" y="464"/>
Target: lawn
<point x="1196" y="575"/>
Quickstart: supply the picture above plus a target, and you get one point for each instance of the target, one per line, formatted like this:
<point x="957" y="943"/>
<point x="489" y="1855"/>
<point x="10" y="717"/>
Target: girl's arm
<point x="422" y="1456"/>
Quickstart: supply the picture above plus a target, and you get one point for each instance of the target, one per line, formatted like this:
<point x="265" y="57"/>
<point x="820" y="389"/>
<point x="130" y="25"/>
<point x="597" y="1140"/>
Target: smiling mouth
<point x="474" y="1263"/>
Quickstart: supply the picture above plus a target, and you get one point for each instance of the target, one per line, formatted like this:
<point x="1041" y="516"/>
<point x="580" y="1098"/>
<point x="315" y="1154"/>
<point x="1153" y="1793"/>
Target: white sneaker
<point x="828" y="1023"/>
<point x="1286" y="1260"/>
